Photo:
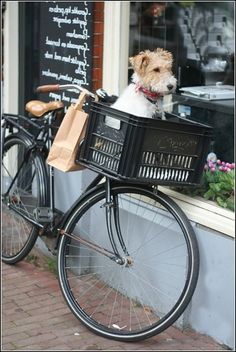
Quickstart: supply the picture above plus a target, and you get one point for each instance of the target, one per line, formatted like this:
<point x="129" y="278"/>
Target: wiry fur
<point x="152" y="72"/>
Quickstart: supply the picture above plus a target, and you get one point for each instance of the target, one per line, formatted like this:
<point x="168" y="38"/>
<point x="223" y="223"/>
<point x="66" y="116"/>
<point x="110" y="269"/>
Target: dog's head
<point x="153" y="70"/>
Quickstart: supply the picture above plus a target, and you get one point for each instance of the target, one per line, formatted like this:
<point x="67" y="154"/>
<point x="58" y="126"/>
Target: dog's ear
<point x="140" y="61"/>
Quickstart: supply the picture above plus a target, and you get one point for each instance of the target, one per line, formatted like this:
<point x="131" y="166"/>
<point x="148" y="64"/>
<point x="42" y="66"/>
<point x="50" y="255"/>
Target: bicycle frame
<point x="43" y="140"/>
<point x="37" y="142"/>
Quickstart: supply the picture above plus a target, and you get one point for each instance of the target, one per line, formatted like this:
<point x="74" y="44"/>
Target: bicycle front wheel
<point x="23" y="190"/>
<point x="150" y="290"/>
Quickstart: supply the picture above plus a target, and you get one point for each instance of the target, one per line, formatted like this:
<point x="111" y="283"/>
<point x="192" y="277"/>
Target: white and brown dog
<point x="151" y="82"/>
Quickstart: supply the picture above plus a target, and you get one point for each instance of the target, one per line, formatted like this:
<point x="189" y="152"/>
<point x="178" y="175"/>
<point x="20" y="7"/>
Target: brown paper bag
<point x="71" y="132"/>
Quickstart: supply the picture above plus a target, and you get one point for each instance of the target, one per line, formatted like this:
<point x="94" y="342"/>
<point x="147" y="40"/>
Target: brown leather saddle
<point x="38" y="108"/>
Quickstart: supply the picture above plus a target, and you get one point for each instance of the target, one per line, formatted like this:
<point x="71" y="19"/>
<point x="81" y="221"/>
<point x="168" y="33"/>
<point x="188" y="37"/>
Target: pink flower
<point x="213" y="169"/>
<point x="210" y="164"/>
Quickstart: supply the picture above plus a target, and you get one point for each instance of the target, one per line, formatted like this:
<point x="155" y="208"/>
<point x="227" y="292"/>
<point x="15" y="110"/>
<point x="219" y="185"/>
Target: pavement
<point x="35" y="317"/>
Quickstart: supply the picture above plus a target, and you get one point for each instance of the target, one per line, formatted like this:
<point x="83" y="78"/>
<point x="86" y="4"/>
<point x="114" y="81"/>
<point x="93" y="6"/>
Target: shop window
<point x="200" y="36"/>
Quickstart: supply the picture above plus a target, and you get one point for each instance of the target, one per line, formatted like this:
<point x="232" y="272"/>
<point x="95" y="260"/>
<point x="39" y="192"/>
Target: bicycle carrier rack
<point x="24" y="124"/>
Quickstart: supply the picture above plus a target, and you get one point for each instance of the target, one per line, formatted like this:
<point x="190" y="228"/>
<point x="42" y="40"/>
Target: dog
<point x="152" y="80"/>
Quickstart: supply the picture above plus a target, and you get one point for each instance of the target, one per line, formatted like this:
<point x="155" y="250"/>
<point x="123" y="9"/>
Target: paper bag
<point x="71" y="132"/>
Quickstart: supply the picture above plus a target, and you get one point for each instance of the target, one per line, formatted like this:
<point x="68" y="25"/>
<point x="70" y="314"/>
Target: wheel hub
<point x="127" y="261"/>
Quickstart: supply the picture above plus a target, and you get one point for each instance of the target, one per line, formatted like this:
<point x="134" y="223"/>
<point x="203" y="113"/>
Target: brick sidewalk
<point x="36" y="317"/>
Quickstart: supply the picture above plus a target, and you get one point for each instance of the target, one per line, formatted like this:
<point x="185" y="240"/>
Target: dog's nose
<point x="170" y="86"/>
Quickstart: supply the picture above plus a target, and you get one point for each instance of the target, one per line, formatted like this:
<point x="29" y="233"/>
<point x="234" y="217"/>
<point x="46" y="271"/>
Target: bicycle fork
<point x="114" y="232"/>
<point x="112" y="211"/>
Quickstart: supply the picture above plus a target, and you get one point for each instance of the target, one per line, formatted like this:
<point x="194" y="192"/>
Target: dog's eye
<point x="156" y="69"/>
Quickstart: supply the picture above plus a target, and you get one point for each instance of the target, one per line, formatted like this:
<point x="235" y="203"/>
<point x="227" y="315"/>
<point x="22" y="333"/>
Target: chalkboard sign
<point x="65" y="46"/>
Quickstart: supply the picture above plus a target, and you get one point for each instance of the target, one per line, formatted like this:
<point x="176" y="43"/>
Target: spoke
<point x="145" y="293"/>
<point x="107" y="294"/>
<point x="166" y="263"/>
<point x="145" y="282"/>
<point x="20" y="223"/>
<point x="113" y="306"/>
<point x="151" y="239"/>
<point x="89" y="238"/>
<point x="5" y="168"/>
<point x="84" y="267"/>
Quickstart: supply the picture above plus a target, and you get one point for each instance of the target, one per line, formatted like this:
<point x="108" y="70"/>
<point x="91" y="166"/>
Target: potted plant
<point x="217" y="183"/>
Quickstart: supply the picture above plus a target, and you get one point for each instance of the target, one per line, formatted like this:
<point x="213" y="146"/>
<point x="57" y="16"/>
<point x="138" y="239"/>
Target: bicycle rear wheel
<point x="150" y="291"/>
<point x="24" y="173"/>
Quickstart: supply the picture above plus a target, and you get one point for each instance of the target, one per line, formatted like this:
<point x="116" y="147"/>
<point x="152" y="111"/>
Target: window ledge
<point x="204" y="212"/>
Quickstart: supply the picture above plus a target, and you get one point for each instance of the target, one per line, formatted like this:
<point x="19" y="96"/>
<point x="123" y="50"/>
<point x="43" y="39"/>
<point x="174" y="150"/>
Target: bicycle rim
<point x="26" y="194"/>
<point x="142" y="299"/>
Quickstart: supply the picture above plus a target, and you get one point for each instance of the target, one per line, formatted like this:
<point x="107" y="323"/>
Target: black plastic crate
<point x="144" y="150"/>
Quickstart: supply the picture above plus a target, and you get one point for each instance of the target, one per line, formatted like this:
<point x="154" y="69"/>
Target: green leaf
<point x="221" y="202"/>
<point x="230" y="203"/>
<point x="226" y="186"/>
<point x="215" y="187"/>
<point x="209" y="194"/>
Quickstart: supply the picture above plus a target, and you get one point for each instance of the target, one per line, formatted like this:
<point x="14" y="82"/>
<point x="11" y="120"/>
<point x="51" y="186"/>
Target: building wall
<point x="9" y="99"/>
<point x="212" y="309"/>
<point x="98" y="44"/>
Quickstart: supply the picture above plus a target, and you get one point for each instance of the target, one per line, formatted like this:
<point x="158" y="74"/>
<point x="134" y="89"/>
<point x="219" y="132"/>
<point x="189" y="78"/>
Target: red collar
<point x="149" y="94"/>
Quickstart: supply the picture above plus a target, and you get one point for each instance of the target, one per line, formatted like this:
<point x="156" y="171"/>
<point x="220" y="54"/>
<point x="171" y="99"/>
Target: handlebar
<point x="48" y="88"/>
<point x="57" y="87"/>
<point x="101" y="94"/>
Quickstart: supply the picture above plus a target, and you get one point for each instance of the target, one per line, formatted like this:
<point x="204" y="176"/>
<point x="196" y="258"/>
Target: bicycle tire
<point x="27" y="193"/>
<point x="147" y="310"/>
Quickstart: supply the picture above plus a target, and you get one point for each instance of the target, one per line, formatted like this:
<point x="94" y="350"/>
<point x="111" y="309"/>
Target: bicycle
<point x="128" y="258"/>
